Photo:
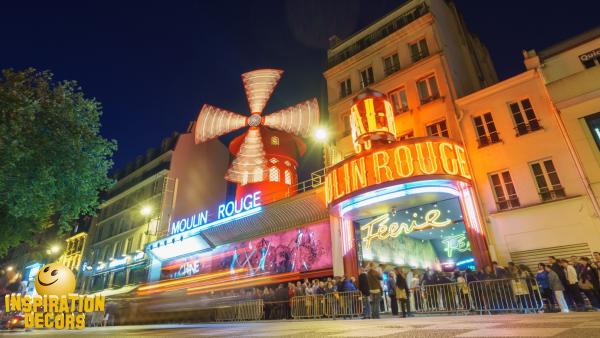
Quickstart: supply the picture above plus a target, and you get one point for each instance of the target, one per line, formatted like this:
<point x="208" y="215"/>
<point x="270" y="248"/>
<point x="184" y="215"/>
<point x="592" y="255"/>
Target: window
<point x="366" y="77"/>
<point x="399" y="100"/>
<point x="546" y="179"/>
<point x="504" y="190"/>
<point x="345" y="88"/>
<point x="524" y="117"/>
<point x="391" y="64"/>
<point x="274" y="174"/>
<point x="593" y="122"/>
<point x="438" y="129"/>
<point x="346" y="122"/>
<point x="274" y="140"/>
<point x="428" y="89"/>
<point x="486" y="130"/>
<point x="288" y="177"/>
<point x="406" y="135"/>
<point x="419" y="50"/>
<point x="119" y="279"/>
<point x="128" y="244"/>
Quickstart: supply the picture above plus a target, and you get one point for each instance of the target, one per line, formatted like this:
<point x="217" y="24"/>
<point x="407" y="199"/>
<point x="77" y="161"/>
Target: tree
<point x="53" y="162"/>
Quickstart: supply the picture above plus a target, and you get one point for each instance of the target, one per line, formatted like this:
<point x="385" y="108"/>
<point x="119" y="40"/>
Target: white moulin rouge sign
<point x="228" y="211"/>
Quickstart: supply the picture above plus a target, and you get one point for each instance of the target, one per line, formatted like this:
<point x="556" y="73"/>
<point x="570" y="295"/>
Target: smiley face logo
<point x="54" y="279"/>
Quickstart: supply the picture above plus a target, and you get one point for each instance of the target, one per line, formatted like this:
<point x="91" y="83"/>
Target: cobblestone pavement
<point x="533" y="325"/>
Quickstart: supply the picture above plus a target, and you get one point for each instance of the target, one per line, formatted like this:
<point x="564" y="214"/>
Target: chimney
<point x="531" y="59"/>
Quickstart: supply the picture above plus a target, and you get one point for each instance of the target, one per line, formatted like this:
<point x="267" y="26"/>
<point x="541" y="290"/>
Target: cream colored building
<point x="534" y="197"/>
<point x="73" y="252"/>
<point x="571" y="71"/>
<point x="422" y="56"/>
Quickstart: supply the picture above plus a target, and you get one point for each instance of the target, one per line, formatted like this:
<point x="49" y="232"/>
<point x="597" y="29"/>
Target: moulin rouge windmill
<point x="266" y="154"/>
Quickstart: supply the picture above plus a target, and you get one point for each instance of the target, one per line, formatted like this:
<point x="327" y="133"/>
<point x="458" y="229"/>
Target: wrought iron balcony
<point x="394" y="25"/>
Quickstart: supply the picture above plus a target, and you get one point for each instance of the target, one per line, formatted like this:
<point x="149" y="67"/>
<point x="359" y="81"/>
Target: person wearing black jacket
<point x="363" y="286"/>
<point x="401" y="284"/>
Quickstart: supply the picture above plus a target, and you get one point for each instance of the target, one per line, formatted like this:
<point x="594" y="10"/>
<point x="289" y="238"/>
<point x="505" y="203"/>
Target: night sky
<point x="153" y="64"/>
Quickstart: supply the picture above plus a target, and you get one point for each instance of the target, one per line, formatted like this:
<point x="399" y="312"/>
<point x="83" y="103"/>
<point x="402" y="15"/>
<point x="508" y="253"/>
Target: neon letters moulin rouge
<point x="230" y="210"/>
<point x="415" y="158"/>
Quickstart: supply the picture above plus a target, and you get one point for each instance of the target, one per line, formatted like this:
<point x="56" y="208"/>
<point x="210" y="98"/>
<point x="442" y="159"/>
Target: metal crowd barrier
<point x="440" y="298"/>
<point x="307" y="306"/>
<point x="486" y="296"/>
<point x="506" y="295"/>
<point x="240" y="311"/>
<point x="343" y="304"/>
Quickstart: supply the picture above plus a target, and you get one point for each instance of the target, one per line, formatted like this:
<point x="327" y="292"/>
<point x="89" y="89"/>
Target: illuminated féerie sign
<point x="225" y="211"/>
<point x="415" y="158"/>
<point x="379" y="228"/>
<point x="458" y="243"/>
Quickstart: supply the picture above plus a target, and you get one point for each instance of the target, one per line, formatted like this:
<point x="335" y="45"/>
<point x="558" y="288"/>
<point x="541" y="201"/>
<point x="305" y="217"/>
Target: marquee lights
<point x="420" y="158"/>
<point x="379" y="228"/>
<point x="226" y="212"/>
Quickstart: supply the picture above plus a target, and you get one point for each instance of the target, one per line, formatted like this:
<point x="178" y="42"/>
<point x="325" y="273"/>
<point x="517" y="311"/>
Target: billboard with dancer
<point x="299" y="250"/>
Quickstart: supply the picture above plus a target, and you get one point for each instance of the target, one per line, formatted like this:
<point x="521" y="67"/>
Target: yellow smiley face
<point x="54" y="279"/>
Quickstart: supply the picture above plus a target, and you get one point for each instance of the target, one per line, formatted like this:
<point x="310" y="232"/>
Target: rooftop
<point x="569" y="43"/>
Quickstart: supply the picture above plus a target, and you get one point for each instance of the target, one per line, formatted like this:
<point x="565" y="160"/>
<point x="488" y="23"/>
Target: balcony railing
<point x="394" y="25"/>
<point x="486" y="140"/>
<point x="430" y="98"/>
<point x="556" y="193"/>
<point x="418" y="56"/>
<point x="526" y="128"/>
<point x="506" y="204"/>
<point x="391" y="69"/>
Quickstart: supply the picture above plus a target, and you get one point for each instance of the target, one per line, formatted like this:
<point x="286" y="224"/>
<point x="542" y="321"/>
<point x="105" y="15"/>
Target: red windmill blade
<point x="249" y="166"/>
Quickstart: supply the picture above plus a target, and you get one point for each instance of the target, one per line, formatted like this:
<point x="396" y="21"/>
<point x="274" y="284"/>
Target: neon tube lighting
<point x="381" y="197"/>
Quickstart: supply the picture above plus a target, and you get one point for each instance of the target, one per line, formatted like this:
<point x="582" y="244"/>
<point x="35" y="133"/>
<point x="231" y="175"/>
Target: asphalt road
<point x="573" y="325"/>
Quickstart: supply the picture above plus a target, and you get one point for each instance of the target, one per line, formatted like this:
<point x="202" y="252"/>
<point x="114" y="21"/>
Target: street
<point x="513" y="325"/>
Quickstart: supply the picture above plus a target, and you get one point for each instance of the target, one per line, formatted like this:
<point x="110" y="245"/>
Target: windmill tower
<point x="266" y="154"/>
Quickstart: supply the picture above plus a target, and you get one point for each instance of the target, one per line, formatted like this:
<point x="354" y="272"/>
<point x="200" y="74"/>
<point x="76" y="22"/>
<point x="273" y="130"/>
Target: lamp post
<point x="146" y="212"/>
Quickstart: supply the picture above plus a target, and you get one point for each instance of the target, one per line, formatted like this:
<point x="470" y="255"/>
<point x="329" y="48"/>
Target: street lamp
<point x="321" y="134"/>
<point x="146" y="210"/>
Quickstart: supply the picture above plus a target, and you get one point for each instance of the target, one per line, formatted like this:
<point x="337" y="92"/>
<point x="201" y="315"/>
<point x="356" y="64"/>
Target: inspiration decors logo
<point x="55" y="305"/>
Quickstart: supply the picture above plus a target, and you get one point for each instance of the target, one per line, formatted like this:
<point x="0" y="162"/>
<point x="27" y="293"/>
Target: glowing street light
<point x="321" y="134"/>
<point x="54" y="249"/>
<point x="146" y="210"/>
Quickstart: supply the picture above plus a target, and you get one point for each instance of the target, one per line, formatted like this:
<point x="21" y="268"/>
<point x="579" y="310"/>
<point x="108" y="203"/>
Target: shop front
<point x="254" y="246"/>
<point x="410" y="204"/>
<point x="407" y="203"/>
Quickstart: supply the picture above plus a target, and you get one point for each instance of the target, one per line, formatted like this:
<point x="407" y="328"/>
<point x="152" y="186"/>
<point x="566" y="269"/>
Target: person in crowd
<point x="596" y="258"/>
<point x="542" y="279"/>
<point x="363" y="286"/>
<point x="499" y="271"/>
<point x="374" y="278"/>
<point x="348" y="284"/>
<point x="321" y="289"/>
<point x="588" y="281"/>
<point x="391" y="291"/>
<point x="555" y="266"/>
<point x="299" y="289"/>
<point x="413" y="284"/>
<point x="557" y="287"/>
<point x="462" y="289"/>
<point x="488" y="273"/>
<point x="339" y="284"/>
<point x="572" y="288"/>
<point x="574" y="260"/>
<point x="402" y="293"/>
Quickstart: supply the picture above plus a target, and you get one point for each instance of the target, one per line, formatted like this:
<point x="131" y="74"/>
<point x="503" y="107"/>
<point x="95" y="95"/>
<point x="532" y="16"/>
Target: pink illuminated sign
<point x="299" y="250"/>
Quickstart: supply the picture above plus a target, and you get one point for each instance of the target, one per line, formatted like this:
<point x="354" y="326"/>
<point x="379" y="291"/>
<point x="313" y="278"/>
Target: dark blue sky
<point x="153" y="64"/>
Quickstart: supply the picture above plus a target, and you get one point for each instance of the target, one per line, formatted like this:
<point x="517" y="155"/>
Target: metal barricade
<point x="506" y="295"/>
<point x="308" y="306"/>
<point x="240" y="311"/>
<point x="343" y="304"/>
<point x="441" y="298"/>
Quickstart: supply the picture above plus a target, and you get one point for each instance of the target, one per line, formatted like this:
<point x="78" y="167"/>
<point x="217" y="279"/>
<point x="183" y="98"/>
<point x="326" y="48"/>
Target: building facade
<point x="133" y="214"/>
<point x="421" y="57"/>
<point x="73" y="251"/>
<point x="535" y="201"/>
